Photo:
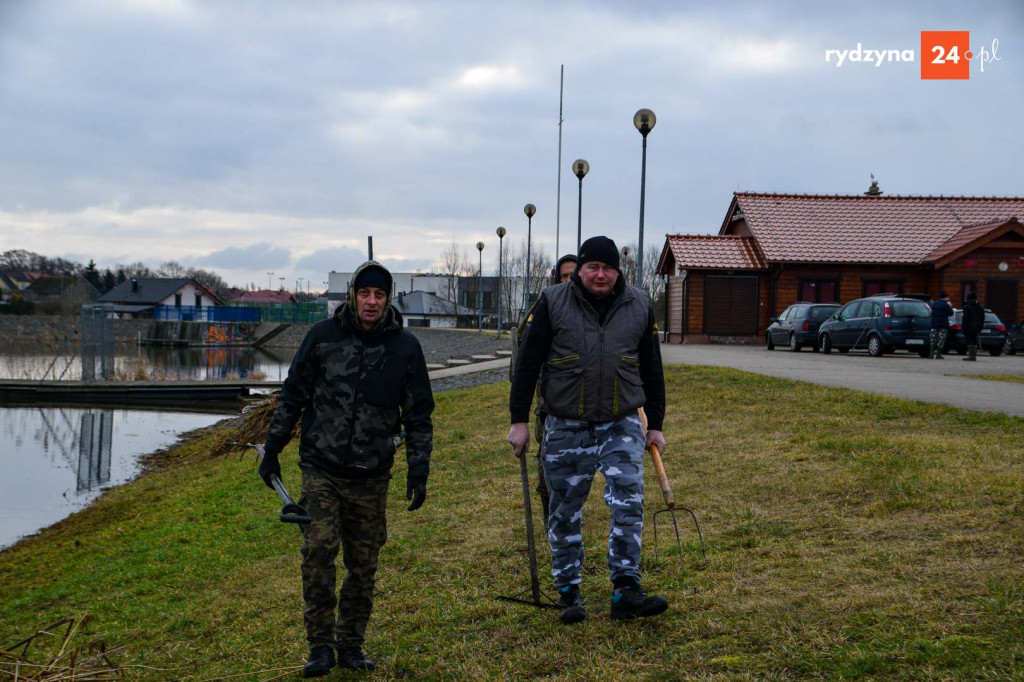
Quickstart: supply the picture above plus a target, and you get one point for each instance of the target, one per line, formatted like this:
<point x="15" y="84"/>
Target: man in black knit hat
<point x="356" y="380"/>
<point x="596" y="338"/>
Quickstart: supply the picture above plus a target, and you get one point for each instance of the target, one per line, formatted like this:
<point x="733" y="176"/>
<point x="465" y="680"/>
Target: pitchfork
<point x="670" y="509"/>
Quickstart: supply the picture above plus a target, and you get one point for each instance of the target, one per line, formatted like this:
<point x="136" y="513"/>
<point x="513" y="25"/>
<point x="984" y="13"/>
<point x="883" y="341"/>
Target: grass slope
<point x="849" y="536"/>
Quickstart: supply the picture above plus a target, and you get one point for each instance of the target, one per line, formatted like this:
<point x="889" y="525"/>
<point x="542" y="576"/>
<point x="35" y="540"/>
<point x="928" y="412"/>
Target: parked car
<point x="992" y="338"/>
<point x="1014" y="339"/>
<point x="881" y="323"/>
<point x="798" y="324"/>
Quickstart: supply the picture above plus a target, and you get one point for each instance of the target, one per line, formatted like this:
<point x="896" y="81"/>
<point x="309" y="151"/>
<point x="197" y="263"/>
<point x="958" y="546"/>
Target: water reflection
<point x="57" y="460"/>
<point x="158" y="362"/>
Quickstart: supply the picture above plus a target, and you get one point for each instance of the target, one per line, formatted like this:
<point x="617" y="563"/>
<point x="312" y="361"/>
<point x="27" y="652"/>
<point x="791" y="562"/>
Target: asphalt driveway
<point x="902" y="375"/>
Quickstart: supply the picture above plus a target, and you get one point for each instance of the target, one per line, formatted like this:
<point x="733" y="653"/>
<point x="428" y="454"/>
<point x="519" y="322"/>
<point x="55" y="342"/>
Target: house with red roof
<point x="260" y="297"/>
<point x="774" y="250"/>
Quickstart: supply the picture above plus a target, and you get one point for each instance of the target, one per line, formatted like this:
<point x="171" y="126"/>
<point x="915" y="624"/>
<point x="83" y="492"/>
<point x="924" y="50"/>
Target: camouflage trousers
<point x="350" y="514"/>
<point x="574" y="451"/>
<point x="937" y="339"/>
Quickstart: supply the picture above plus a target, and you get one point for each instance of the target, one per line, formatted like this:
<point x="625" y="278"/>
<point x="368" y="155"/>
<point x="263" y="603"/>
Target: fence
<point x="288" y="313"/>
<point x="210" y="313"/>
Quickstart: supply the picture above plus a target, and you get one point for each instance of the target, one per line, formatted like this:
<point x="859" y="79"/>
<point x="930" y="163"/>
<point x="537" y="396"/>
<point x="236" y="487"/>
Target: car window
<point x="910" y="309"/>
<point x="819" y="313"/>
<point x="992" y="318"/>
<point x="785" y="314"/>
<point x="849" y="310"/>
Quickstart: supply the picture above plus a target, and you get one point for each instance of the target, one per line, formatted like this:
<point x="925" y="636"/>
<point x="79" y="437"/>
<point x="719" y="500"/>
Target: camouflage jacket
<point x="355" y="390"/>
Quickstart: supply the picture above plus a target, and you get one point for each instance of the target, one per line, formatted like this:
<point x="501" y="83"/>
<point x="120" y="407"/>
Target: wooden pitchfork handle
<point x="666" y="489"/>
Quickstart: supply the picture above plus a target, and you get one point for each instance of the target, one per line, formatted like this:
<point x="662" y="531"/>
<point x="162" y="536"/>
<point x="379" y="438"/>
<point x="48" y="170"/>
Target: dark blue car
<point x="797" y="326"/>
<point x="881" y="324"/>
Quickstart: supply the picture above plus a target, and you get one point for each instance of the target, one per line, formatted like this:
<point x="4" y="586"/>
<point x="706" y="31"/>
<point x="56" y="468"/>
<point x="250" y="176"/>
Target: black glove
<point x="269" y="466"/>
<point x="415" y="489"/>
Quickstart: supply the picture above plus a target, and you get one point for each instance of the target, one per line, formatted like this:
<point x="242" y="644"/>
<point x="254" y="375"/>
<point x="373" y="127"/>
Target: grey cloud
<point x="261" y="255"/>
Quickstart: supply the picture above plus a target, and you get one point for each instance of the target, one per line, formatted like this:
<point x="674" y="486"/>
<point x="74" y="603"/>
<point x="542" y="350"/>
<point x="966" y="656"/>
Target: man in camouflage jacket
<point x="356" y="380"/>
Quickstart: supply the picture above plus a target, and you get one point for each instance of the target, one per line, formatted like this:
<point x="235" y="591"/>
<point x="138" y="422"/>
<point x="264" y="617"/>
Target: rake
<point x="670" y="509"/>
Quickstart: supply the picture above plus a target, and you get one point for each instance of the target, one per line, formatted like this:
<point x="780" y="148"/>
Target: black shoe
<point x="571" y="601"/>
<point x="352" y="657"/>
<point x="630" y="602"/>
<point x="321" y="660"/>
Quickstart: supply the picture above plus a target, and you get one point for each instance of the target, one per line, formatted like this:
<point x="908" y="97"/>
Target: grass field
<point x="849" y="536"/>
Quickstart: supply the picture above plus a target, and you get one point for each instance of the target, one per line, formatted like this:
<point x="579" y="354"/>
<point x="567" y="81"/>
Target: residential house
<point x="139" y="297"/>
<point x="64" y="291"/>
<point x="773" y="250"/>
<point x="261" y="297"/>
<point x="424" y="309"/>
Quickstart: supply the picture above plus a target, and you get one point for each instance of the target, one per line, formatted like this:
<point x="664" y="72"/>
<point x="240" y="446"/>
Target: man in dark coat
<point x="941" y="312"/>
<point x="356" y="380"/>
<point x="973" y="321"/>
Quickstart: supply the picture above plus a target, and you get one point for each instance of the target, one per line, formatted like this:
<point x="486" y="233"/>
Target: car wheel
<point x="995" y="352"/>
<point x="875" y="349"/>
<point x="924" y="352"/>
<point x="826" y="344"/>
<point x="768" y="343"/>
<point x="1008" y="346"/>
<point x="793" y="345"/>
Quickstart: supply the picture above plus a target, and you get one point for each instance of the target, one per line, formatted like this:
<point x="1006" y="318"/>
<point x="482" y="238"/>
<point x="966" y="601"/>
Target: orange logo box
<point x="945" y="55"/>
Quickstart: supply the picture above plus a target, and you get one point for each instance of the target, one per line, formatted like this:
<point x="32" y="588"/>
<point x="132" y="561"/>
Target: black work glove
<point x="416" y="487"/>
<point x="269" y="466"/>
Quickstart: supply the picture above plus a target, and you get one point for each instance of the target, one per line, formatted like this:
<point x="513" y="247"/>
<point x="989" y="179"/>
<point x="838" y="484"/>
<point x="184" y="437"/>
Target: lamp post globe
<point x="580" y="168"/>
<point x="643" y="120"/>
<point x="530" y="210"/>
<point x="501" y="236"/>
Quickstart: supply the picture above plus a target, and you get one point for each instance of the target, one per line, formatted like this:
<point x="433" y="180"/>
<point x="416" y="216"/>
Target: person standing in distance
<point x="973" y="322"/>
<point x="941" y="312"/>
<point x="597" y="340"/>
<point x="356" y="380"/>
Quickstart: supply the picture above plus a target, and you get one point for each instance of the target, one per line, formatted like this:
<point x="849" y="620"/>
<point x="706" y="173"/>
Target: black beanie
<point x="599" y="249"/>
<point x="373" y="276"/>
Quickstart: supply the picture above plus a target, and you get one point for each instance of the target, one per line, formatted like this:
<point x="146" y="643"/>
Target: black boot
<point x="352" y="657"/>
<point x="631" y="602"/>
<point x="571" y="601"/>
<point x="321" y="660"/>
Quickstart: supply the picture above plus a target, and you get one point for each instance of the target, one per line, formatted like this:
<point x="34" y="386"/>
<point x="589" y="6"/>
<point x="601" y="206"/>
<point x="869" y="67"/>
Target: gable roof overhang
<point x="972" y="238"/>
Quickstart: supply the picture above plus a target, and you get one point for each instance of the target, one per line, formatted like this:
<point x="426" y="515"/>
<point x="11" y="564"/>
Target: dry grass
<point x="1013" y="378"/>
<point x="849" y="537"/>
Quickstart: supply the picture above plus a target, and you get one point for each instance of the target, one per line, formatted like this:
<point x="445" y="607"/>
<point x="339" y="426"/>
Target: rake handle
<point x="659" y="468"/>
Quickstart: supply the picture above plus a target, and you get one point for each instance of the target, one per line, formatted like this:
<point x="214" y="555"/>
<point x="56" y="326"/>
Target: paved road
<point x="902" y="374"/>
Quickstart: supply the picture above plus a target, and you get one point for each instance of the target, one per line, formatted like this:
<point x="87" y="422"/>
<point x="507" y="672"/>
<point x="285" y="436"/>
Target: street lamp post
<point x="501" y="236"/>
<point x="479" y="290"/>
<point x="529" y="210"/>
<point x="269" y="285"/>
<point x="644" y="120"/>
<point x="281" y="280"/>
<point x="580" y="168"/>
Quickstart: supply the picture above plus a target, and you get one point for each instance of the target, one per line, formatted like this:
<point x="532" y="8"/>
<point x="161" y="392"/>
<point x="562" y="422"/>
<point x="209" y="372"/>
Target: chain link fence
<point x="96" y="327"/>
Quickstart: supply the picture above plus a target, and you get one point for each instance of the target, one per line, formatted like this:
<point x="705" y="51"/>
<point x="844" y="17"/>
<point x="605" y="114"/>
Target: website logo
<point x="945" y="55"/>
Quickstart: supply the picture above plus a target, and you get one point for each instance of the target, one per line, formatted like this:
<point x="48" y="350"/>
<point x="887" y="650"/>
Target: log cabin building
<point x="776" y="249"/>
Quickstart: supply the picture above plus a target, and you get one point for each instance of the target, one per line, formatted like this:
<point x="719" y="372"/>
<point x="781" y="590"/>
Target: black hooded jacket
<point x="355" y="389"/>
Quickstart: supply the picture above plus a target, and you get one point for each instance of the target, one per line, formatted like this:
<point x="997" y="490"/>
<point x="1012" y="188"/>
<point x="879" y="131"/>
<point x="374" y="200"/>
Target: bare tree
<point x="137" y="270"/>
<point x="654" y="284"/>
<point x="172" y="269"/>
<point x="454" y="263"/>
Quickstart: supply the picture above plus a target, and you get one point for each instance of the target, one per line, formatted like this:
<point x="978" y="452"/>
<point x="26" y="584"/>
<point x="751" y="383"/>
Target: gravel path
<point x="469" y="380"/>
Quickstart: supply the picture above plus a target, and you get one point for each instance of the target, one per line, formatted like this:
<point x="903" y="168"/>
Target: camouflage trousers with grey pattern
<point x="348" y="514"/>
<point x="574" y="450"/>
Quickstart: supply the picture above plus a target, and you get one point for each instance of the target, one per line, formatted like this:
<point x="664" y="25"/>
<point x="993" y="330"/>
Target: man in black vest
<point x="973" y="322"/>
<point x="597" y="340"/>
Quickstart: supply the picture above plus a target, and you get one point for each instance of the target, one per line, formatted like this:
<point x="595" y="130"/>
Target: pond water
<point x="57" y="460"/>
<point x="156" y="362"/>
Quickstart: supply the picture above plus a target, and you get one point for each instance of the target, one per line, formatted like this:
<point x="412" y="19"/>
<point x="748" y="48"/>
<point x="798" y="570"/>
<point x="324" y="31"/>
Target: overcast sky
<point x="256" y="137"/>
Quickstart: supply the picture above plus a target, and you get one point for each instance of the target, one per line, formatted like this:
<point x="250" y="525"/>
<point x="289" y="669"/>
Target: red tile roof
<point x="961" y="239"/>
<point x="715" y="252"/>
<point x="865" y="229"/>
